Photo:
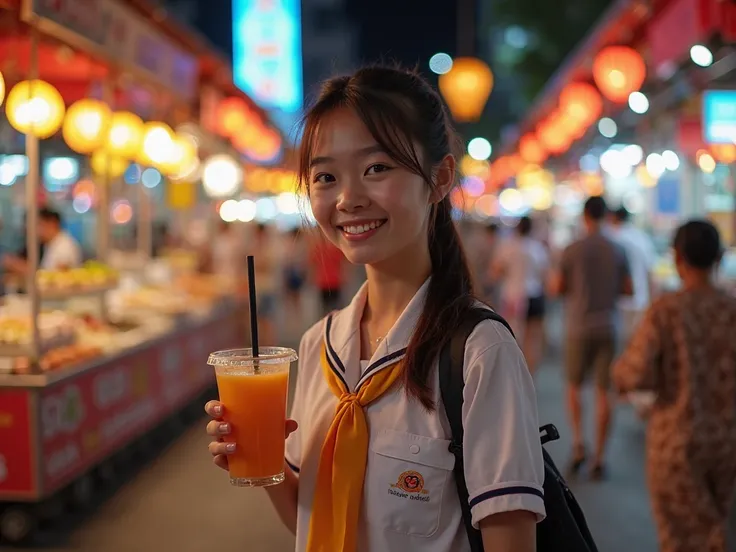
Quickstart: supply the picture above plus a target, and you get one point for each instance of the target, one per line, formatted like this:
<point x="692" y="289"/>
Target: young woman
<point x="684" y="350"/>
<point x="369" y="467"/>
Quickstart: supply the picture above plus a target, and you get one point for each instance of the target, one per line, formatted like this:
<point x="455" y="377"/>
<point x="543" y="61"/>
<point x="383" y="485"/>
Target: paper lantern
<point x="105" y="164"/>
<point x="36" y="108"/>
<point x="531" y="150"/>
<point x="466" y="88"/>
<point x="157" y="147"/>
<point x="125" y="136"/>
<point x="85" y="125"/>
<point x="618" y="71"/>
<point x="2" y="88"/>
<point x="552" y="136"/>
<point x="581" y="102"/>
<point x="184" y="160"/>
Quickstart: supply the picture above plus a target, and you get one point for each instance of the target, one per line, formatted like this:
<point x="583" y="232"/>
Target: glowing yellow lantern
<point x="125" y="136"/>
<point x="184" y="160"/>
<point x="104" y="164"/>
<point x="36" y="108"/>
<point x="157" y="147"/>
<point x="2" y="88"/>
<point x="85" y="125"/>
<point x="466" y="88"/>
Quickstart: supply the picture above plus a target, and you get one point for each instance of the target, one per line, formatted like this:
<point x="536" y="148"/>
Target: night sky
<point x="408" y="31"/>
<point x="405" y="31"/>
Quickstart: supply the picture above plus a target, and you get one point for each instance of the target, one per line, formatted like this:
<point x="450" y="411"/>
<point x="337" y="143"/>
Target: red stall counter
<point x="55" y="427"/>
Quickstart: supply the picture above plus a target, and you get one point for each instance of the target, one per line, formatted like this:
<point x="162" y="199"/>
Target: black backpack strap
<point x="452" y="382"/>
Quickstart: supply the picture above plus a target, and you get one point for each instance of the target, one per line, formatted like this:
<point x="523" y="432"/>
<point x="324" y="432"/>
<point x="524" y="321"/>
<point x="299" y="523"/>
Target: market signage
<point x="719" y="116"/>
<point x="115" y="32"/>
<point x="267" y="55"/>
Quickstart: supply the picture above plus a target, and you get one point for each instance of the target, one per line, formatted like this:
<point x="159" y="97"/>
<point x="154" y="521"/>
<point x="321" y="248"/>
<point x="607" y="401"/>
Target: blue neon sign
<point x="719" y="116"/>
<point x="267" y="55"/>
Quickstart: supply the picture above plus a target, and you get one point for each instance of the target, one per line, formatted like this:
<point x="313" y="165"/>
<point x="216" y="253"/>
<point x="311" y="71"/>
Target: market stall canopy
<point x="632" y="22"/>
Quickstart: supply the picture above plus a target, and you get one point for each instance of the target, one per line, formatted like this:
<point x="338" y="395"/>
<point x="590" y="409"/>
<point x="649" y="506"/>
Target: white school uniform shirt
<point x="504" y="468"/>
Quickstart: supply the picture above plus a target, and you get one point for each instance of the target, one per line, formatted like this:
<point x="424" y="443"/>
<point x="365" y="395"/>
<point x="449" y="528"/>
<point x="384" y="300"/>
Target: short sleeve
<point x="504" y="467"/>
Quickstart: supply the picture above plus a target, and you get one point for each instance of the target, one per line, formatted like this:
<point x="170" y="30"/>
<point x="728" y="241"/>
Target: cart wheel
<point x="82" y="491"/>
<point x="17" y="525"/>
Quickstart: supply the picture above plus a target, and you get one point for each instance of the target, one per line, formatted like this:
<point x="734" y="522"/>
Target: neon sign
<point x="267" y="56"/>
<point x="719" y="116"/>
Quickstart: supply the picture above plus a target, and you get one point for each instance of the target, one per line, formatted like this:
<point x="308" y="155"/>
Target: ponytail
<point x="449" y="298"/>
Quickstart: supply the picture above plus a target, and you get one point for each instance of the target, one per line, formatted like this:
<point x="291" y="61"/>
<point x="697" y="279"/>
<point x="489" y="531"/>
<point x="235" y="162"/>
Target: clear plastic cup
<point x="254" y="392"/>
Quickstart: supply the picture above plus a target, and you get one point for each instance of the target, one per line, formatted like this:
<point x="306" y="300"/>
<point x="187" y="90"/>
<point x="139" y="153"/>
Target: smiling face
<point x="366" y="203"/>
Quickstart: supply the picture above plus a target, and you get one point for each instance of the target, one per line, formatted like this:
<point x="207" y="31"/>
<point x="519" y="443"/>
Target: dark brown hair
<point x="401" y="109"/>
<point x="699" y="244"/>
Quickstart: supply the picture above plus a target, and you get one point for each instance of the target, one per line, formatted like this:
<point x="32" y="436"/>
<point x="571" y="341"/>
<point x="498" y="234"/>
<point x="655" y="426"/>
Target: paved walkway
<point x="181" y="503"/>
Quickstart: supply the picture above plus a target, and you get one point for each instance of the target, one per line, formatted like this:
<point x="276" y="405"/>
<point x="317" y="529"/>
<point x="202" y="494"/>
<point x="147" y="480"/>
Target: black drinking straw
<point x="252" y="305"/>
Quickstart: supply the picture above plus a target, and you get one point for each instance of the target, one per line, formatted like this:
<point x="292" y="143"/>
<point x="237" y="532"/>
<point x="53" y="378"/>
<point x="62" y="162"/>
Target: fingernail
<point x="224" y="428"/>
<point x="217" y="410"/>
<point x="230" y="447"/>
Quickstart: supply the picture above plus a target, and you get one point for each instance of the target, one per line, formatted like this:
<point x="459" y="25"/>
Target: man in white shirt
<point x="60" y="251"/>
<point x="641" y="256"/>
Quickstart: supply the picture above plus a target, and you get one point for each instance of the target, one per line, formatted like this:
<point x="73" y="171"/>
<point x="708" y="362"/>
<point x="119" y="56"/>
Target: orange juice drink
<point x="253" y="391"/>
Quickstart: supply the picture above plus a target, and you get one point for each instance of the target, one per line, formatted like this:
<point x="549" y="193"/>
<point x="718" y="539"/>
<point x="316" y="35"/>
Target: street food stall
<point x="93" y="358"/>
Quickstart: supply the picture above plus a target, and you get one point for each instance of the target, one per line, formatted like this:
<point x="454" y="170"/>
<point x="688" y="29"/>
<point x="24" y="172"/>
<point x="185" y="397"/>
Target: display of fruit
<point x="92" y="274"/>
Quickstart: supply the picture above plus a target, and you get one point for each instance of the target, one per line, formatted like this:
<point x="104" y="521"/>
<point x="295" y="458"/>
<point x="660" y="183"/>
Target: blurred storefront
<point x="131" y="127"/>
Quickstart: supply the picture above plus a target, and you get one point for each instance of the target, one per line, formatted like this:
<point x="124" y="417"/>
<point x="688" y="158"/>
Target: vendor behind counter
<point x="58" y="249"/>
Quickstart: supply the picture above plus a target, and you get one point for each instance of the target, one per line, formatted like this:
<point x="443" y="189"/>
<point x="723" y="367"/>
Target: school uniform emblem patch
<point x="411" y="482"/>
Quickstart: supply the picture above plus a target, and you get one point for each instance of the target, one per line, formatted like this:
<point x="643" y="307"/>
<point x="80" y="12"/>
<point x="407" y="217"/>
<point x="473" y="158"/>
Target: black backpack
<point x="564" y="529"/>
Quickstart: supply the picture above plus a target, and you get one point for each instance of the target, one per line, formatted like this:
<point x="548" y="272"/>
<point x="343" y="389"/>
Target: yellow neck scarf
<point x="333" y="525"/>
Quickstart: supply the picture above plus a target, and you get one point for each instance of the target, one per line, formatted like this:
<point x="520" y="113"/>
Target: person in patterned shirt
<point x="684" y="350"/>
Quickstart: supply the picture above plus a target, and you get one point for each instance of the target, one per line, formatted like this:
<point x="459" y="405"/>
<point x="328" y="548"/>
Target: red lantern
<point x="553" y="136"/>
<point x="618" y="71"/>
<point x="581" y="102"/>
<point x="531" y="150"/>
